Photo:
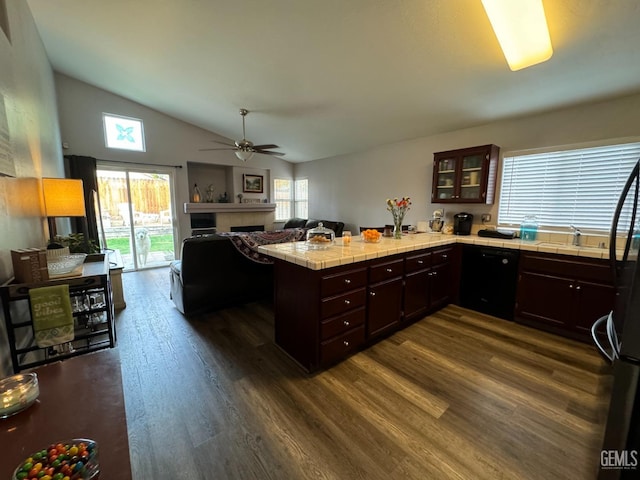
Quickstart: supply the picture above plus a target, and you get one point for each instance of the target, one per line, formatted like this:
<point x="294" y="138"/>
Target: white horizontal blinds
<point x="302" y="198"/>
<point x="571" y="187"/>
<point x="283" y="196"/>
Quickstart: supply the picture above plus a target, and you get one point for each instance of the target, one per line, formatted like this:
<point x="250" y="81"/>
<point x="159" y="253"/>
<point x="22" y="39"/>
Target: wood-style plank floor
<point x="457" y="395"/>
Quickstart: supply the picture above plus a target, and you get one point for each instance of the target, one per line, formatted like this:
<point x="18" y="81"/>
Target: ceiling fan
<point x="244" y="149"/>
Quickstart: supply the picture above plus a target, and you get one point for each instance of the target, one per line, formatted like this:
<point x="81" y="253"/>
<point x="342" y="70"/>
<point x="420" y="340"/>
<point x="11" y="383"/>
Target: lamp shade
<point x="244" y="155"/>
<point x="521" y="28"/>
<point x="63" y="197"/>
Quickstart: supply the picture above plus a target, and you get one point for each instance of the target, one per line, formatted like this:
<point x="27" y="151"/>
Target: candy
<point x="60" y="461"/>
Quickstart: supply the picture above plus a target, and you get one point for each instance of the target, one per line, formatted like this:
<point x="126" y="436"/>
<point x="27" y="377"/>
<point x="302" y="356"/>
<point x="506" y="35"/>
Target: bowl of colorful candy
<point x="69" y="460"/>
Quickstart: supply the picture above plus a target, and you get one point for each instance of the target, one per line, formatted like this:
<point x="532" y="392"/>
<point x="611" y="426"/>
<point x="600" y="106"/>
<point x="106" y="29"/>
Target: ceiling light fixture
<point x="521" y="28"/>
<point x="244" y="155"/>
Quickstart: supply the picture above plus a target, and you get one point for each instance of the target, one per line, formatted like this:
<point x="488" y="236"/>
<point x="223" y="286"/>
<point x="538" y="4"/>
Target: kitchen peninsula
<point x="331" y="303"/>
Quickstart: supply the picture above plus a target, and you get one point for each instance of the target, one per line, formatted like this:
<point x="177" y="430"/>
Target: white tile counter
<point x="300" y="254"/>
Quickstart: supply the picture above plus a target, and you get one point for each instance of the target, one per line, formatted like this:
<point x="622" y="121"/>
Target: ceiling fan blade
<point x="223" y="143"/>
<point x="208" y="149"/>
<point x="267" y="152"/>
<point x="265" y="147"/>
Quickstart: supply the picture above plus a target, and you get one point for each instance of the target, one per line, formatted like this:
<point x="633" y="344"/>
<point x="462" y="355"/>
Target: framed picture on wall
<point x="252" y="183"/>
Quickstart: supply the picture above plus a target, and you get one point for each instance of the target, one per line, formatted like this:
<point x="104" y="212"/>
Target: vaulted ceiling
<point x="328" y="77"/>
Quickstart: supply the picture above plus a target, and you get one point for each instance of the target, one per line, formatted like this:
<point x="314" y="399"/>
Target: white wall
<point x="353" y="188"/>
<point x="27" y="87"/>
<point x="168" y="141"/>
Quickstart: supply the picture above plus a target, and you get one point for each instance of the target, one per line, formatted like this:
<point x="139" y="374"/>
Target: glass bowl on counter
<point x="17" y="393"/>
<point x="320" y="238"/>
<point x="371" y="236"/>
<point x="76" y="458"/>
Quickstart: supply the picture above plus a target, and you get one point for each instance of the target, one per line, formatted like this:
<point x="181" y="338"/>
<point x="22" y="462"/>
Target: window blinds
<point x="572" y="187"/>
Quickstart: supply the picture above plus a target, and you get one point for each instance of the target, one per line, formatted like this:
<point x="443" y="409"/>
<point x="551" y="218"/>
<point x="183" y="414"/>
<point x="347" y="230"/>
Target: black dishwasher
<point x="489" y="280"/>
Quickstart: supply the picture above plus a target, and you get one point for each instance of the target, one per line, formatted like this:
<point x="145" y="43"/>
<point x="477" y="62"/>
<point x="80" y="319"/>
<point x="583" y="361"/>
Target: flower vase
<point x="397" y="228"/>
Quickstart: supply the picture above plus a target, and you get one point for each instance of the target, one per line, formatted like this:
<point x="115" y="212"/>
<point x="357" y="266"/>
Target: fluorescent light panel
<point x="521" y="28"/>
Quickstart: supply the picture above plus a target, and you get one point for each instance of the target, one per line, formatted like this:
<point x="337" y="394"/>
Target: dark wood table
<point x="80" y="397"/>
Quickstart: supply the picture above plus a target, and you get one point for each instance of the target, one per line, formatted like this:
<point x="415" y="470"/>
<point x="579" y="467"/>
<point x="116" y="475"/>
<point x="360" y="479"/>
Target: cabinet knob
<point x="347" y="281"/>
<point x="445" y="256"/>
<point x="578" y="287"/>
<point x="346" y="344"/>
<point x="346" y="323"/>
<point x="434" y="274"/>
<point x="420" y="262"/>
<point x="347" y="302"/>
<point x="389" y="270"/>
<point x="571" y="285"/>
<point x="373" y="294"/>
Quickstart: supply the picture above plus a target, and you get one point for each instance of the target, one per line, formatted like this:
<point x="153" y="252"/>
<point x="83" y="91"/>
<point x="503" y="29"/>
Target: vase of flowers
<point x="398" y="209"/>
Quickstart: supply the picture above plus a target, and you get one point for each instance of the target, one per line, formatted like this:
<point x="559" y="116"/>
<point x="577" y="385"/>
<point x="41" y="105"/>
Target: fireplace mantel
<point x="228" y="207"/>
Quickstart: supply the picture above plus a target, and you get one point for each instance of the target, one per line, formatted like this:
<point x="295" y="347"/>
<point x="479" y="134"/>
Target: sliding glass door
<point x="136" y="214"/>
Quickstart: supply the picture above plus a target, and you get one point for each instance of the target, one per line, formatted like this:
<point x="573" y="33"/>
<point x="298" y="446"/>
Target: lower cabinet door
<point x="384" y="302"/>
<point x="545" y="299"/>
<point x="416" y="293"/>
<point x="441" y="285"/>
<point x="339" y="347"/>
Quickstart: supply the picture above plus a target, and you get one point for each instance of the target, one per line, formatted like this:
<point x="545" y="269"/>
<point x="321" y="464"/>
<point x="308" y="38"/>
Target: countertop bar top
<point x="358" y="251"/>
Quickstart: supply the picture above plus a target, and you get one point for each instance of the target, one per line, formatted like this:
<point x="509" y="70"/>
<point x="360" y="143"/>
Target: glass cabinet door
<point x="471" y="177"/>
<point x="445" y="184"/>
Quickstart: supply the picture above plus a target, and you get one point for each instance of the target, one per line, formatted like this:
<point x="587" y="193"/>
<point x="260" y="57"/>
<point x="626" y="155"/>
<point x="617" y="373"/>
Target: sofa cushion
<point x="295" y="223"/>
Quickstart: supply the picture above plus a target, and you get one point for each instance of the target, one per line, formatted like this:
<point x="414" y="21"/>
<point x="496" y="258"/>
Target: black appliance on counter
<point x="620" y="456"/>
<point x="489" y="280"/>
<point x="462" y="223"/>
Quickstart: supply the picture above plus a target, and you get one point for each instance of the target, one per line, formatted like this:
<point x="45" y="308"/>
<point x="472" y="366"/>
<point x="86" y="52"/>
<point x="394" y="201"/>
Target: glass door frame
<point x="127" y="168"/>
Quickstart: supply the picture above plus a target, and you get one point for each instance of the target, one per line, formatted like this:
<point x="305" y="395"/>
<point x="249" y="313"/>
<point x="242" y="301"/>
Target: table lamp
<point x="63" y="197"/>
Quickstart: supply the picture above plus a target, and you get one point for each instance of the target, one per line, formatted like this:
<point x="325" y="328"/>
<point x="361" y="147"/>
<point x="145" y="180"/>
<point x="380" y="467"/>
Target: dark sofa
<point x="212" y="274"/>
<point x="307" y="223"/>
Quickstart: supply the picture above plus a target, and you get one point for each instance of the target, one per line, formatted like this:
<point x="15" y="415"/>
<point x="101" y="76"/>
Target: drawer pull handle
<point x="347" y="302"/>
<point x="373" y="294"/>
<point x="420" y="262"/>
<point x="347" y="281"/>
<point x="346" y="344"/>
<point x="434" y="274"/>
<point x="571" y="285"/>
<point x="445" y="256"/>
<point x="389" y="270"/>
<point x="346" y="323"/>
<point x="578" y="287"/>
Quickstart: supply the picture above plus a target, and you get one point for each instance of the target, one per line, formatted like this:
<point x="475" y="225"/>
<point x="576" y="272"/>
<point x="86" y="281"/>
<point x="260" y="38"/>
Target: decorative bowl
<point x="371" y="236"/>
<point x="76" y="459"/>
<point x="18" y="393"/>
<point x="65" y="264"/>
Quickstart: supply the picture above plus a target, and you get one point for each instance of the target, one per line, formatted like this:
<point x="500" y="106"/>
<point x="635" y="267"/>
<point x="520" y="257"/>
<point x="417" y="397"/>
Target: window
<point x="123" y="132"/>
<point x="301" y="198"/>
<point x="283" y="195"/>
<point x="571" y="187"/>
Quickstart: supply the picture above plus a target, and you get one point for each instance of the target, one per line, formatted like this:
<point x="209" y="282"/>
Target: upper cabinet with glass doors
<point x="467" y="175"/>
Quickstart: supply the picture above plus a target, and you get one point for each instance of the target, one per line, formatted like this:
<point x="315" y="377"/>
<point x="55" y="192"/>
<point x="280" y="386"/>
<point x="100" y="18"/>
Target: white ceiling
<point x="327" y="77"/>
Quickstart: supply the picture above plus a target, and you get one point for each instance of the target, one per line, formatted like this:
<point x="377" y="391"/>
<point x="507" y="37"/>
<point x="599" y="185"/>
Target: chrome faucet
<point x="577" y="234"/>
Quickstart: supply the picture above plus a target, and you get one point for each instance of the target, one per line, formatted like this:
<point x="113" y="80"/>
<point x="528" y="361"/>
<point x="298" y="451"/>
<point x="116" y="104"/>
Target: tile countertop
<point x="358" y="251"/>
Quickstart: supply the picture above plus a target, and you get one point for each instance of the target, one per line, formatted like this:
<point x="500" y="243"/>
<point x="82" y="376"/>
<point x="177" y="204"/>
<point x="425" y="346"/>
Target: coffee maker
<point x="462" y="223"/>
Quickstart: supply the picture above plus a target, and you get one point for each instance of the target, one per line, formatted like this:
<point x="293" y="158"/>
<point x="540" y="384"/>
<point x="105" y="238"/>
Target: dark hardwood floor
<point x="457" y="395"/>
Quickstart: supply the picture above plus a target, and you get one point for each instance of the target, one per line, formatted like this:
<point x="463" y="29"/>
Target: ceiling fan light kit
<point x="521" y="28"/>
<point x="244" y="149"/>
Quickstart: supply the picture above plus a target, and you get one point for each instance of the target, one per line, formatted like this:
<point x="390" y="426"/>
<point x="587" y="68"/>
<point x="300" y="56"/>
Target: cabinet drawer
<point x="383" y="271"/>
<point x="417" y="262"/>
<point x="441" y="256"/>
<point x="593" y="270"/>
<point x="341" y="346"/>
<point x="341" y="303"/>
<point x="337" y="325"/>
<point x="341" y="282"/>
